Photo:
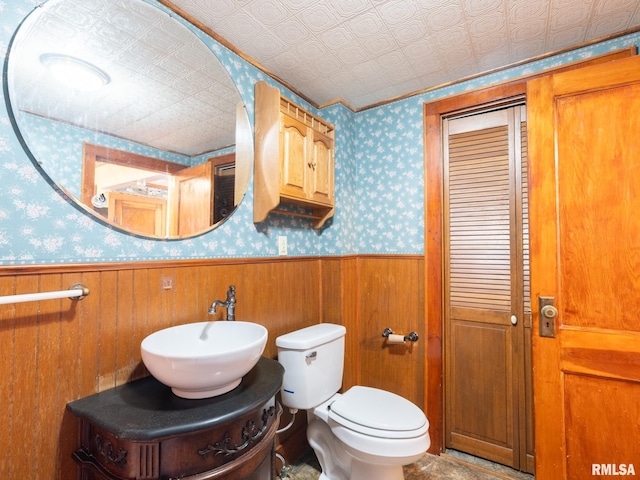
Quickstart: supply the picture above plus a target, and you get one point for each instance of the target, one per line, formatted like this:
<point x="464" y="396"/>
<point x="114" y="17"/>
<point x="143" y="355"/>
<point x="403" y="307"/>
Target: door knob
<point x="514" y="320"/>
<point x="549" y="311"/>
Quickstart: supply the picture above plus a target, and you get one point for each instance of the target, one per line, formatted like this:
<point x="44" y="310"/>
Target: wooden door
<point x="192" y="199"/>
<point x="585" y="253"/>
<point x="487" y="312"/>
<point x="143" y="215"/>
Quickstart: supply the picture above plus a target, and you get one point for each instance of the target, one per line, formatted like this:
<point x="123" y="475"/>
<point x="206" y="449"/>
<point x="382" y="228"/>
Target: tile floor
<point x="450" y="466"/>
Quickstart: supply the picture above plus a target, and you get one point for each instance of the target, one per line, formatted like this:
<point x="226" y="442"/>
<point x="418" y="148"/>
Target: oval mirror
<point x="129" y="113"/>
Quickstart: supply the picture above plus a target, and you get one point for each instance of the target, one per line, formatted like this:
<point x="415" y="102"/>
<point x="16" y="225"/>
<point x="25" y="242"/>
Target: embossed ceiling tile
<point x="426" y="66"/>
<point x="397" y="11"/>
<point x="245" y="30"/>
<point x="164" y="39"/>
<point x="269" y="46"/>
<point x="396" y="64"/>
<point x="528" y="31"/>
<point x="368" y="74"/>
<point x="352" y="32"/>
<point x="71" y="18"/>
<point x="310" y="50"/>
<point x="423" y="58"/>
<point x="351" y="54"/>
<point x="424" y="47"/>
<point x="299" y="5"/>
<point x="522" y="12"/>
<point x="612" y="22"/>
<point x="568" y="14"/>
<point x="197" y="57"/>
<point x="326" y="90"/>
<point x="105" y="32"/>
<point x="489" y="24"/>
<point x="291" y="31"/>
<point x="456" y="71"/>
<point x="460" y="55"/>
<point x="451" y="37"/>
<point x="565" y="38"/>
<point x="528" y="49"/>
<point x="377" y="45"/>
<point x="223" y="8"/>
<point x="483" y="7"/>
<point x="269" y="12"/>
<point x="604" y="7"/>
<point x="242" y="27"/>
<point x="349" y="8"/>
<point x="336" y="38"/>
<point x="444" y="17"/>
<point x="366" y="25"/>
<point x="408" y="32"/>
<point x="491" y="43"/>
<point x="327" y="66"/>
<point x="495" y="59"/>
<point x="285" y="61"/>
<point x="318" y="17"/>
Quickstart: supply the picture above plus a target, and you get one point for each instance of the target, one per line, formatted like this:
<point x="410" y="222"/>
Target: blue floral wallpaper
<point x="379" y="182"/>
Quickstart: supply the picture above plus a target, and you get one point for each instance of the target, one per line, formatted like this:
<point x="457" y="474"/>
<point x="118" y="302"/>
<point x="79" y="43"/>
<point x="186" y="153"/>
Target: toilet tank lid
<point x="310" y="337"/>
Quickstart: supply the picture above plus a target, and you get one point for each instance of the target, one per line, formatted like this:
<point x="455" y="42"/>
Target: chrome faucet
<point x="229" y="304"/>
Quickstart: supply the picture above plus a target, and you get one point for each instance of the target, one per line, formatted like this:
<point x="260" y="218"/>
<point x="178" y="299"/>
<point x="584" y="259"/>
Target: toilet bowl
<point x="362" y="434"/>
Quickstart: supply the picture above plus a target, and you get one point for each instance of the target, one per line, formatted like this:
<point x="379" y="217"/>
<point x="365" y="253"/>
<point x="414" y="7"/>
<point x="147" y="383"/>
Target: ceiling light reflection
<point x="75" y="73"/>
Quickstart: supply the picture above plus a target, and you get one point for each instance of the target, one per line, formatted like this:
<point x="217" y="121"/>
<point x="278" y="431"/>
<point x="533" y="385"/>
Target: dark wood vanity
<point x="141" y="430"/>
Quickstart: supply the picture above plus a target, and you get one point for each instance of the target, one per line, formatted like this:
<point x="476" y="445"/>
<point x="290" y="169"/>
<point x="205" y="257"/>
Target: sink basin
<point x="204" y="359"/>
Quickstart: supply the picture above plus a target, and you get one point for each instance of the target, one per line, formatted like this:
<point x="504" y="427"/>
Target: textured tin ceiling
<point x="369" y="51"/>
<point x="166" y="90"/>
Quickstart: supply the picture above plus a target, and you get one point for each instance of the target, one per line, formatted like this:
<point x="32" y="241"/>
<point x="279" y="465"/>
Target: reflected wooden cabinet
<point x="294" y="160"/>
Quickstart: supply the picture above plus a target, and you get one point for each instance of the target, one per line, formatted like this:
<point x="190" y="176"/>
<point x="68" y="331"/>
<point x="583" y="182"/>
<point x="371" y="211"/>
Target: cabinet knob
<point x="312" y="165"/>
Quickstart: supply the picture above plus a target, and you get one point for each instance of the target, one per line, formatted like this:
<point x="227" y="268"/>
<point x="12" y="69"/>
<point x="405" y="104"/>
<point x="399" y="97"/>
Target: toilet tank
<point x="313" y="361"/>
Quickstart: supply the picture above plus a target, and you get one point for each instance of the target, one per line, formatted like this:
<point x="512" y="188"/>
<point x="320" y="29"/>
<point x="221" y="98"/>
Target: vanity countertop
<point x="147" y="409"/>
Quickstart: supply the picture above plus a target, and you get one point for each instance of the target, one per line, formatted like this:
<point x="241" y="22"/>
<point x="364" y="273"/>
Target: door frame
<point x="434" y="255"/>
<point x="433" y="214"/>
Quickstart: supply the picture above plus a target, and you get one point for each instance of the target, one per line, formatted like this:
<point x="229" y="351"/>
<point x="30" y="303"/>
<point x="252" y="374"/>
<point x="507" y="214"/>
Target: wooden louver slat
<point x="479" y="219"/>
<point x="525" y="220"/>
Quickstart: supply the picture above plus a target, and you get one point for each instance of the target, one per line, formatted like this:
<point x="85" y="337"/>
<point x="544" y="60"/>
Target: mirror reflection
<point x="131" y="114"/>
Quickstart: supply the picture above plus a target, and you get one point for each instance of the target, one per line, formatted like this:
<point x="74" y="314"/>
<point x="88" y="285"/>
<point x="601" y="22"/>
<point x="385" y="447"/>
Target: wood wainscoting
<point x="56" y="351"/>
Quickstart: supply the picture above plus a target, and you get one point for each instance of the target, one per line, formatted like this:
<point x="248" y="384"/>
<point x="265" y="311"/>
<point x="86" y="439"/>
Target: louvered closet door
<point x="486" y="257"/>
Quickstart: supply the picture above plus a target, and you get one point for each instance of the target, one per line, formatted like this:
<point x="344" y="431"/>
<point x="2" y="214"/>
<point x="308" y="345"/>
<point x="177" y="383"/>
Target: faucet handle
<point x="231" y="293"/>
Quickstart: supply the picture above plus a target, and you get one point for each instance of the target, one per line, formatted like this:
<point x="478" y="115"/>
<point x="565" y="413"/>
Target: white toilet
<point x="362" y="434"/>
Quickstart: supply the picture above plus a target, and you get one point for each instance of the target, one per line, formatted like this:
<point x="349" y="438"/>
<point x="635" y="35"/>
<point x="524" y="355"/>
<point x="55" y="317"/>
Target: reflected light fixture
<point x="75" y="73"/>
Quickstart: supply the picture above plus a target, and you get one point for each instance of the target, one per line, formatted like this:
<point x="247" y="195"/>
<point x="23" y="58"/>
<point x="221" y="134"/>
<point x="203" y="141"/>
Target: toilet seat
<point x="378" y="413"/>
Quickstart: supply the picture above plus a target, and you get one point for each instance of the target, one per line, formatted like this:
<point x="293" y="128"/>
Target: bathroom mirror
<point x="126" y="110"/>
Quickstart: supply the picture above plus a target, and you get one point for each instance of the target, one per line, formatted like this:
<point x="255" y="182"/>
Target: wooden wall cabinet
<point x="294" y="159"/>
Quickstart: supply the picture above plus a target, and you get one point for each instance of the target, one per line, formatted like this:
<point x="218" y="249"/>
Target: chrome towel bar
<point x="75" y="292"/>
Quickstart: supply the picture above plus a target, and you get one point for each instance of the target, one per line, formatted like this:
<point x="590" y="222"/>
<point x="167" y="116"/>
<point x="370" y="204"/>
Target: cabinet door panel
<point x="321" y="169"/>
<point x="294" y="152"/>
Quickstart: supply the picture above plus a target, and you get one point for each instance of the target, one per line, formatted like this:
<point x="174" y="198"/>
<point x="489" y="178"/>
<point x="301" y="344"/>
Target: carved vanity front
<point x="141" y="430"/>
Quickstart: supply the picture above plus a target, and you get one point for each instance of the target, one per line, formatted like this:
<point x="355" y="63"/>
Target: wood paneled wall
<point x="56" y="351"/>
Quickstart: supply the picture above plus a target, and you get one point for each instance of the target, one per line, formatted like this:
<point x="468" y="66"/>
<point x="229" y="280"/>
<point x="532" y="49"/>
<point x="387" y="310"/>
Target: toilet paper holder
<point x="388" y="334"/>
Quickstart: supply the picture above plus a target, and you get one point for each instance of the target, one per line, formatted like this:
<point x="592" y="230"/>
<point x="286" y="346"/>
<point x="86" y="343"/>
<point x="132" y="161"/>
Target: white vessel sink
<point x="204" y="359"/>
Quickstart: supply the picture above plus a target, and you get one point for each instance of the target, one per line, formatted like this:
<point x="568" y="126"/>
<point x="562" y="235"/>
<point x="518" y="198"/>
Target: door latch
<point x="547" y="315"/>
